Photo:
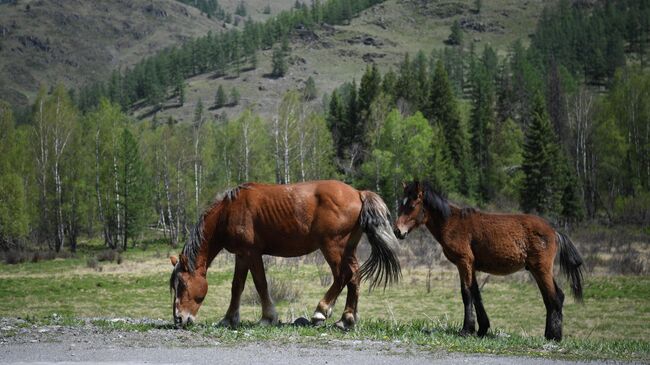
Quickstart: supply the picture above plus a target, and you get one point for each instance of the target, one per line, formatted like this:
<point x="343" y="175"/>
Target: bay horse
<point x="293" y="220"/>
<point x="499" y="244"/>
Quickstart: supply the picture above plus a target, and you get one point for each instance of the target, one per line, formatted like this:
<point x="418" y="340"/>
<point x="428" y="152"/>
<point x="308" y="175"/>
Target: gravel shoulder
<point x="86" y="343"/>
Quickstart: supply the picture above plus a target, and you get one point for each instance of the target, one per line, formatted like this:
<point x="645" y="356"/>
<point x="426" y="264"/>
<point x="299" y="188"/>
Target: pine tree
<point x="336" y="121"/>
<point x="310" y="92"/>
<point x="234" y="96"/>
<point x="279" y="63"/>
<point x="368" y="89"/>
<point x="482" y="124"/>
<point x="540" y="160"/>
<point x="456" y="36"/>
<point x="241" y="9"/>
<point x="353" y="128"/>
<point x="220" y="98"/>
<point x="442" y="109"/>
<point x="134" y="193"/>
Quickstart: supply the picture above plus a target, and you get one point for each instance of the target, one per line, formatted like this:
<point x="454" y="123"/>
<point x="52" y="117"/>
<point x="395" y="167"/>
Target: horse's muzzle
<point x="398" y="233"/>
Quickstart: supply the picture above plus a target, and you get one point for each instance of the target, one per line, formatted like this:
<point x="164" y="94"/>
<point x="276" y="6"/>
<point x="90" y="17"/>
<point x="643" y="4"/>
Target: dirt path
<point x="90" y="344"/>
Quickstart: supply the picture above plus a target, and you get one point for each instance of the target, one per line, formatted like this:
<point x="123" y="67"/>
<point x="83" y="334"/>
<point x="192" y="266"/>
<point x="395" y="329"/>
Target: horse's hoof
<point x="228" y="323"/>
<point x="465" y="333"/>
<point x="318" y="319"/>
<point x="482" y="332"/>
<point x="344" y="325"/>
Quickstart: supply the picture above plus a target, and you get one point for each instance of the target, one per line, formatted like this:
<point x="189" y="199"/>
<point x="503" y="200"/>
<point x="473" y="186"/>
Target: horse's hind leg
<point x="231" y="319"/>
<point x="269" y="315"/>
<point x="324" y="307"/>
<point x="350" y="315"/>
<point x="481" y="315"/>
<point x="336" y="256"/>
<point x="553" y="300"/>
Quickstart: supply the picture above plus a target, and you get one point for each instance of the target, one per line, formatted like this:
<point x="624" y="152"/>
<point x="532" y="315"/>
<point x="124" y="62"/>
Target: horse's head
<point x="189" y="289"/>
<point x="411" y="212"/>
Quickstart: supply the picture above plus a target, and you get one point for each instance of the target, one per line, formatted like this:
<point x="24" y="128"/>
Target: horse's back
<point x="293" y="219"/>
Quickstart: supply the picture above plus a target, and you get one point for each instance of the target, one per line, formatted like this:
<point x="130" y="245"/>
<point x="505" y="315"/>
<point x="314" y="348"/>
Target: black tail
<point x="382" y="266"/>
<point x="570" y="264"/>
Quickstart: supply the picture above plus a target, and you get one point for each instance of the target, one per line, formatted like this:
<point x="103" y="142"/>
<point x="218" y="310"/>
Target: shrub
<point x="280" y="290"/>
<point x="107" y="255"/>
<point x="629" y="263"/>
<point x="92" y="262"/>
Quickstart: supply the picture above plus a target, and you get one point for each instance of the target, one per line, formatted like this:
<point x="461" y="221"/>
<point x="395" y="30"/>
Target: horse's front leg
<point x="481" y="315"/>
<point x="269" y="315"/>
<point x="466" y="271"/>
<point x="231" y="319"/>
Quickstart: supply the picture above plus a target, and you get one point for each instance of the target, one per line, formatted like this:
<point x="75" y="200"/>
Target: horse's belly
<point x="290" y="249"/>
<point x="499" y="260"/>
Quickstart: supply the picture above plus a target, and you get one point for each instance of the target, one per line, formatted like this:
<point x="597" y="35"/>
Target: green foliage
<point x="407" y="148"/>
<point x="14" y="218"/>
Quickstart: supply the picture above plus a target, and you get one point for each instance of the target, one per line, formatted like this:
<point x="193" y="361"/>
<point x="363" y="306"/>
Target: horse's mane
<point x="434" y="199"/>
<point x="195" y="237"/>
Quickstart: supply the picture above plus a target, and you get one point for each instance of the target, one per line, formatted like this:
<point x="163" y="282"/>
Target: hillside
<point x="382" y="34"/>
<point x="74" y="41"/>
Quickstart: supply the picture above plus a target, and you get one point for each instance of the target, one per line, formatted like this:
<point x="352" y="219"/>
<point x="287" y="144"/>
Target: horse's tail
<point x="570" y="264"/>
<point x="382" y="266"/>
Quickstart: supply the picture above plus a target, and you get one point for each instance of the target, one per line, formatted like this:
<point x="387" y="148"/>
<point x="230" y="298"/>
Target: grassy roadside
<point x="612" y="324"/>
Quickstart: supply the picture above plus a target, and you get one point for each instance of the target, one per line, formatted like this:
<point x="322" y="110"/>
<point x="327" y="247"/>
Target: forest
<point x="559" y="128"/>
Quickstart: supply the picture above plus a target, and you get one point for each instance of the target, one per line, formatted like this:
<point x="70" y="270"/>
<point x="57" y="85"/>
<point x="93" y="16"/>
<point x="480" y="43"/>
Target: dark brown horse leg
<point x="350" y="315"/>
<point x="231" y="319"/>
<point x="466" y="271"/>
<point x="481" y="315"/>
<point x="553" y="300"/>
<point x="269" y="315"/>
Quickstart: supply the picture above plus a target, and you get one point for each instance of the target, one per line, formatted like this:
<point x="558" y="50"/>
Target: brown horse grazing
<point x="498" y="244"/>
<point x="288" y="221"/>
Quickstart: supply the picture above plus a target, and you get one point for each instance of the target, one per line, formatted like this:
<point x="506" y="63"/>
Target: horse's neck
<point x="210" y="247"/>
<point x="436" y="222"/>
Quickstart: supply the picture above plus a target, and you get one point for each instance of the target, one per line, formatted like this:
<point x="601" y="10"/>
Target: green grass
<point x="612" y="323"/>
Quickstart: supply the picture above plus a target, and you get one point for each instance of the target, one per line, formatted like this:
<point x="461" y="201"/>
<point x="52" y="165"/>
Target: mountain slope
<point x="381" y="34"/>
<point x="74" y="41"/>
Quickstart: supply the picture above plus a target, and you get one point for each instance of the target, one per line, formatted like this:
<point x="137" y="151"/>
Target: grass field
<point x="612" y="323"/>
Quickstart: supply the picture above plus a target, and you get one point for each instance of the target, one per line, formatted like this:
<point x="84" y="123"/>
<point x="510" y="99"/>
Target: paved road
<point x="355" y="353"/>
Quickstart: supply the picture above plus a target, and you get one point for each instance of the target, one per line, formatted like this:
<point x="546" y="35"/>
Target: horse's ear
<point x="183" y="260"/>
<point x="173" y="259"/>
